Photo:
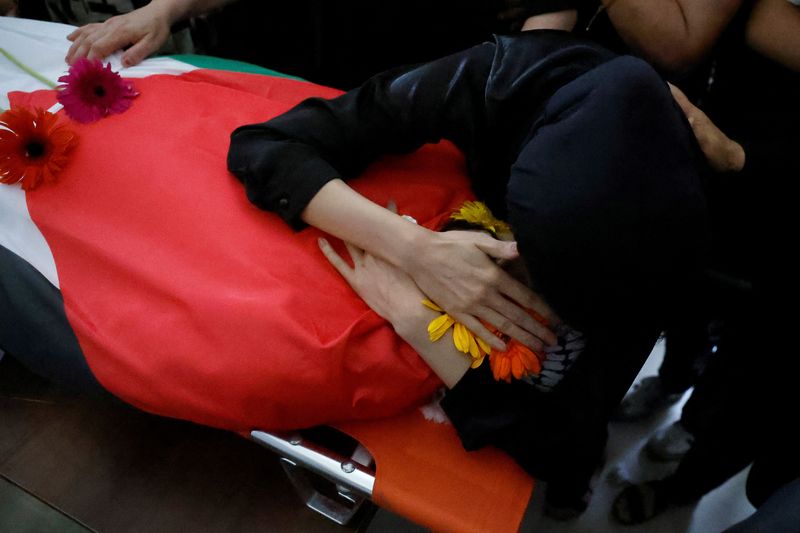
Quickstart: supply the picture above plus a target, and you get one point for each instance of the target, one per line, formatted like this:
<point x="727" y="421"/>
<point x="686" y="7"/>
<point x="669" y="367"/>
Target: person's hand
<point x="722" y="153"/>
<point x="145" y="29"/>
<point x="392" y="294"/>
<point x="386" y="289"/>
<point x="455" y="269"/>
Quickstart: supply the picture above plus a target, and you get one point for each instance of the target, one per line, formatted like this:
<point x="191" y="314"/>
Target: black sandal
<point x="639" y="503"/>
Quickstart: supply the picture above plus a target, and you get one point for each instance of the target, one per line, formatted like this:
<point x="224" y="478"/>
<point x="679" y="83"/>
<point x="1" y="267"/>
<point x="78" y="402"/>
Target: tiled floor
<point x="21" y="512"/>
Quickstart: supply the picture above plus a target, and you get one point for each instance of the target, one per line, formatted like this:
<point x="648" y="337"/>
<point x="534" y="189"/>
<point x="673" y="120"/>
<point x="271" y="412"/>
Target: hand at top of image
<point x="145" y="30"/>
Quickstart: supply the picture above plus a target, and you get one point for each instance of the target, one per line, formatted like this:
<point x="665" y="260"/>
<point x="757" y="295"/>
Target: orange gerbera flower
<point x="33" y="147"/>
<point x="518" y="360"/>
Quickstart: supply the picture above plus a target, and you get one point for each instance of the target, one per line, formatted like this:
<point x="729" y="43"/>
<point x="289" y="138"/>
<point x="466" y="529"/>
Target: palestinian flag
<point x="144" y="269"/>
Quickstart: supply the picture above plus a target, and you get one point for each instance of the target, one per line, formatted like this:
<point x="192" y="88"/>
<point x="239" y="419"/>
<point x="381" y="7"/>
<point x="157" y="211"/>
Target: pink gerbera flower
<point x="91" y="91"/>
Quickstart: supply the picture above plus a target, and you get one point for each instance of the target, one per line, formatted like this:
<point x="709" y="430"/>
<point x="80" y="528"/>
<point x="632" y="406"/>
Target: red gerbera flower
<point x="33" y="147"/>
<point x="91" y="91"/>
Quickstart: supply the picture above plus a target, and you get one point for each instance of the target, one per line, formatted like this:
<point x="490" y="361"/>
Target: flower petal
<point x="485" y="348"/>
<point x="474" y="350"/>
<point x="477" y="362"/>
<point x="517" y="368"/>
<point x="430" y="305"/>
<point x="439" y="326"/>
<point x="461" y="337"/>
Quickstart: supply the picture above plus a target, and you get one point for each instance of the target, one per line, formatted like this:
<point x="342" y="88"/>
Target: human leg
<point x="728" y="422"/>
<point x="596" y="195"/>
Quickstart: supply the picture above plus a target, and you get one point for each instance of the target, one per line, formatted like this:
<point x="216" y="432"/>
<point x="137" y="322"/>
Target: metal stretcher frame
<point x="353" y="477"/>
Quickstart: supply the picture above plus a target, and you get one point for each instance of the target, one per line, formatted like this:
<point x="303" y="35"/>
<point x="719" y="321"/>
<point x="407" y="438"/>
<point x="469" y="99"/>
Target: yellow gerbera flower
<point x="478" y="213"/>
<point x="439" y="326"/>
<point x="464" y="340"/>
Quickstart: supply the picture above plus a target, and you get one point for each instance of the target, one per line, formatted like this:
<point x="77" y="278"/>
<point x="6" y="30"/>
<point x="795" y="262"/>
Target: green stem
<point x="27" y="69"/>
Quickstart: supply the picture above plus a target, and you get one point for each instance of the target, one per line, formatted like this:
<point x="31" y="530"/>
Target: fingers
<point x="139" y="52"/>
<point x="356" y="254"/>
<point x="495" y="248"/>
<point x="505" y="325"/>
<point x="79" y="42"/>
<point x="77" y="32"/>
<point x="139" y="29"/>
<point x="521" y="294"/>
<point x="683" y="102"/>
<point x="475" y="326"/>
<point x="334" y="259"/>
<point x="96" y="41"/>
<point x="107" y="43"/>
<point x="517" y="323"/>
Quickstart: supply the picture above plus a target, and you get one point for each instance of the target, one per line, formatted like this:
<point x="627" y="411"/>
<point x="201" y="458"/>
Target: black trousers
<point x="605" y="191"/>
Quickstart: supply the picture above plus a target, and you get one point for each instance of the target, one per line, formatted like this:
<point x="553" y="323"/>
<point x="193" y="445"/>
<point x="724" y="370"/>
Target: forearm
<point x="671" y="34"/>
<point x="394" y="296"/>
<point x="286" y="161"/>
<point x="339" y="210"/>
<point x="774" y="31"/>
<point x="443" y="358"/>
<point x="559" y="20"/>
<point x="178" y="10"/>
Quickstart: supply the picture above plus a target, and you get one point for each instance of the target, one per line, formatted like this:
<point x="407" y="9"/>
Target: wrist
<point x="171" y="11"/>
<point x="412" y="324"/>
<point x="410" y="241"/>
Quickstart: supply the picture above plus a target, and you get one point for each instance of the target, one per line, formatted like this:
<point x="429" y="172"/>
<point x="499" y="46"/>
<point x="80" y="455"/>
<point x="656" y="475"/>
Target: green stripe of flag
<point x="218" y="63"/>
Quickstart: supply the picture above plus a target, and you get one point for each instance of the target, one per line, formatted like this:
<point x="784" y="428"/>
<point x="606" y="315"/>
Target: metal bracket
<point x="301" y="459"/>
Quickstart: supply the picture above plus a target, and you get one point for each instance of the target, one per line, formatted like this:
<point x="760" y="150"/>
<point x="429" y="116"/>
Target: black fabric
<point x="755" y="102"/>
<point x="608" y="172"/>
<point x="742" y="403"/>
<point x="557" y="436"/>
<point x="612" y="176"/>
<point x="484" y="99"/>
<point x="343" y="43"/>
<point x="594" y="165"/>
<point x="780" y="513"/>
<point x="34" y="326"/>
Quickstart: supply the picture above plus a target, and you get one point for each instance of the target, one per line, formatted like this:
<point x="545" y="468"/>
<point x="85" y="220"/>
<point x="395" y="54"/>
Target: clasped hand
<point x="457" y="272"/>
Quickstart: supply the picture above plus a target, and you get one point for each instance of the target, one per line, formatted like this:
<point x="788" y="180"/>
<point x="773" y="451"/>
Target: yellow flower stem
<point x="25" y="68"/>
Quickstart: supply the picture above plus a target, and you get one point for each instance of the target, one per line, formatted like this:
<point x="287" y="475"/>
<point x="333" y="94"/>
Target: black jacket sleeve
<point x="285" y="161"/>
